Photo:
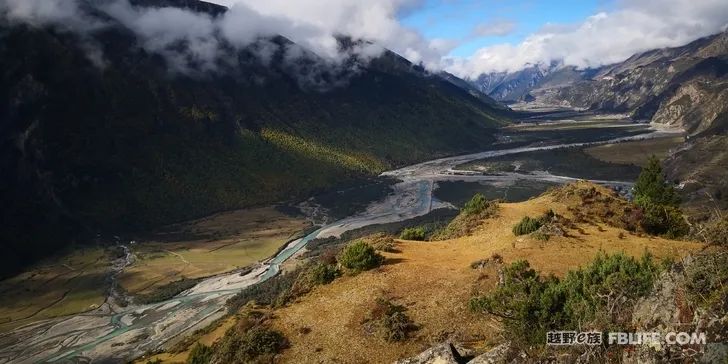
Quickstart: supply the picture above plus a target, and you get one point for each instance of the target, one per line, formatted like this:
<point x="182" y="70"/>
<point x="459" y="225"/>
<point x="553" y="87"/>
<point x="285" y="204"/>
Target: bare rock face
<point x="659" y="312"/>
<point x="444" y="353"/>
<point x="666" y="310"/>
<point x="551" y="229"/>
<point x="660" y="309"/>
<point x="697" y="105"/>
<point x="448" y="353"/>
<point x="496" y="355"/>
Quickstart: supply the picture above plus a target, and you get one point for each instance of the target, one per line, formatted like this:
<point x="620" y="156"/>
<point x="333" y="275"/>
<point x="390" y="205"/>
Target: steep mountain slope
<point x="694" y="101"/>
<point x="700" y="168"/>
<point x="505" y="86"/>
<point x="131" y="144"/>
<point x="500" y="108"/>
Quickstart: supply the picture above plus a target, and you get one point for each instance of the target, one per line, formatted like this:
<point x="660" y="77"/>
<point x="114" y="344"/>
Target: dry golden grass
<point x="434" y="281"/>
<point x="634" y="152"/>
<point x="209" y="246"/>
<point x="73" y="283"/>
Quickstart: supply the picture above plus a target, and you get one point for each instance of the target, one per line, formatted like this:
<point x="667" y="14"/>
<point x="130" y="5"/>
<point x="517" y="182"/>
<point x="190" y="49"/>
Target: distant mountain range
<point x="670" y="86"/>
<point x="516" y="86"/>
<point x="131" y="145"/>
<point x="682" y="88"/>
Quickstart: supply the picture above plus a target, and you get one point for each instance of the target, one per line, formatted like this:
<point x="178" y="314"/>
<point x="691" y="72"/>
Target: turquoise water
<point x="287" y="253"/>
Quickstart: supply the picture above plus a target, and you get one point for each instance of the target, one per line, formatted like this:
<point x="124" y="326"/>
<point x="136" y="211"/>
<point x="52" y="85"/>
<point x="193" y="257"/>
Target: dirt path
<point x="178" y="256"/>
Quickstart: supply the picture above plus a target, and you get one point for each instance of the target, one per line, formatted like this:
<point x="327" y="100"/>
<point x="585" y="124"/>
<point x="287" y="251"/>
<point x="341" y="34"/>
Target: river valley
<point x="115" y="333"/>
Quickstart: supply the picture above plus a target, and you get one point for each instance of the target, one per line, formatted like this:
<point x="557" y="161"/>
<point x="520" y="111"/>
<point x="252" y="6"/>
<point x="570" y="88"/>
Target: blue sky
<point x="456" y="19"/>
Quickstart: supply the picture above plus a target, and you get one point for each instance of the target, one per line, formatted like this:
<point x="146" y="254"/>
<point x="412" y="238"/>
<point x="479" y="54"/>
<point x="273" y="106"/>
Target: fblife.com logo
<point x="624" y="338"/>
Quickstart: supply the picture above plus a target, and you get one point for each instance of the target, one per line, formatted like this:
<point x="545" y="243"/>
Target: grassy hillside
<point x="131" y="145"/>
<point x="435" y="280"/>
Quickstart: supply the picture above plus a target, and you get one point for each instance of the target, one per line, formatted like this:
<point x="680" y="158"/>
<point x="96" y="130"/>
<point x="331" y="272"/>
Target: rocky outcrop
<point x="444" y="353"/>
<point x="668" y="310"/>
<point x="498" y="354"/>
<point x="449" y="353"/>
<point x="663" y="311"/>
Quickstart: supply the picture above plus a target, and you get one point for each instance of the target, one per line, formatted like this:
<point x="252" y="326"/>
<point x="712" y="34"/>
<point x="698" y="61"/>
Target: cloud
<point x="165" y="30"/>
<point x="603" y="38"/>
<point x="493" y="28"/>
<point x="62" y="13"/>
<point x="373" y="20"/>
<point x="192" y="40"/>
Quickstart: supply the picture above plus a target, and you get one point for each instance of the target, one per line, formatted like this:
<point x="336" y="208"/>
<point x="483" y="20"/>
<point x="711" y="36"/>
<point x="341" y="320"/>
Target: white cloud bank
<point x="607" y="37"/>
<point x="372" y="20"/>
<point x="313" y="24"/>
<point x="603" y="38"/>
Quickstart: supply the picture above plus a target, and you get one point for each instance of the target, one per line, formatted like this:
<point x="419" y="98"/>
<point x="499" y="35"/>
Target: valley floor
<point x="209" y="246"/>
<point x="57" y="287"/>
<point x="79" y="281"/>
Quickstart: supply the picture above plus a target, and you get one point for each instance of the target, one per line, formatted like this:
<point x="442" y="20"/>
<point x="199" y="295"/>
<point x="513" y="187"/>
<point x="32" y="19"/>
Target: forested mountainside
<point x="130" y="144"/>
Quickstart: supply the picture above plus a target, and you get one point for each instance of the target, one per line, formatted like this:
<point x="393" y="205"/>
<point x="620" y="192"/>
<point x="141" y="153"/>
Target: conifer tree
<point x="651" y="186"/>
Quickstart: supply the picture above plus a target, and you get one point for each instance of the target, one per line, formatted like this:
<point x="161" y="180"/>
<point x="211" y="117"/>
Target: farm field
<point x="208" y="246"/>
<point x="634" y="152"/>
<point x="70" y="284"/>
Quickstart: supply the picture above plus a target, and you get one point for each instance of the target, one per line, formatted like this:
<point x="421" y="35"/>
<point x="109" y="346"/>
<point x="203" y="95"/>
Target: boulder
<point x="496" y="355"/>
<point x="444" y="353"/>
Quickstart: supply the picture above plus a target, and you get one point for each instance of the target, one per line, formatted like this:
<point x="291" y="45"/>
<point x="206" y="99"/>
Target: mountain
<point x="507" y="86"/>
<point x="676" y="88"/>
<point x="654" y="84"/>
<point x="475" y="92"/>
<point x="516" y="86"/>
<point x="130" y="145"/>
